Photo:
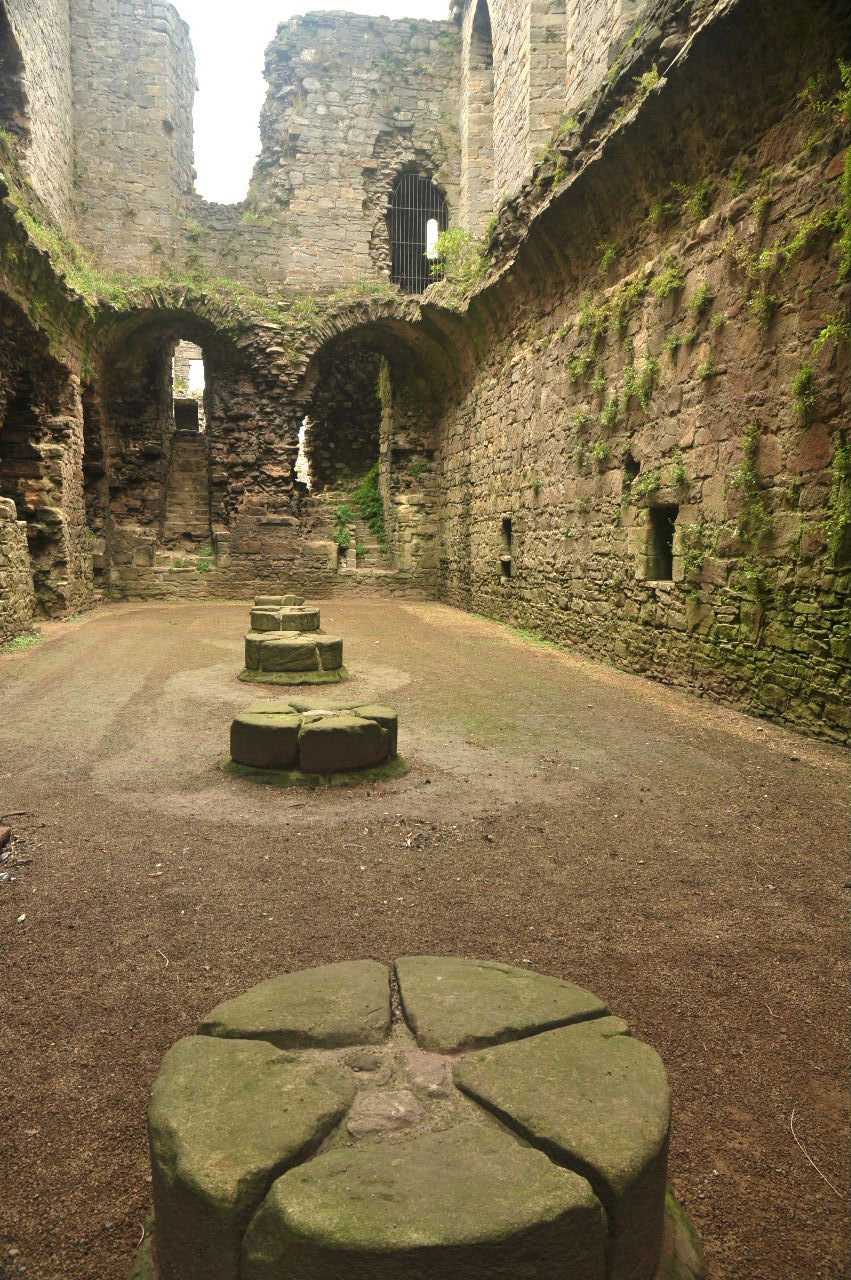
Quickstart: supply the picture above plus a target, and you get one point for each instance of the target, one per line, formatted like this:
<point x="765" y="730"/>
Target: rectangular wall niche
<point x="660" y="543"/>
<point x="505" y="549"/>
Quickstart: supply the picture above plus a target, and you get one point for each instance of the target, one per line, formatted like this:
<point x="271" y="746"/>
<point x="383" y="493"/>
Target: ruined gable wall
<point x="134" y="86"/>
<point x="42" y="32"/>
<point x="351" y="102"/>
<point x="694" y="385"/>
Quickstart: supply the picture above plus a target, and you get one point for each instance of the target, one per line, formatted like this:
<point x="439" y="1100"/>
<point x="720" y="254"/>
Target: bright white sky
<point x="230" y="42"/>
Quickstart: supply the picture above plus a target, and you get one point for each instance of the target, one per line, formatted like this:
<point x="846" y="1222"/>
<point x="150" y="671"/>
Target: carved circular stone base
<point x="472" y="1119"/>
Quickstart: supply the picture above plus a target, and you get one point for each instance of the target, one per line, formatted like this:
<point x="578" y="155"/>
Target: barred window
<point x="415" y="203"/>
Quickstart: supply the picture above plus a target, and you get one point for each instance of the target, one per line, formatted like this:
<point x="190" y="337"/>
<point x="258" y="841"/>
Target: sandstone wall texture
<point x="134" y="87"/>
<point x="41" y="448"/>
<point x="678" y="372"/>
<point x="526" y="64"/>
<point x="36" y="94"/>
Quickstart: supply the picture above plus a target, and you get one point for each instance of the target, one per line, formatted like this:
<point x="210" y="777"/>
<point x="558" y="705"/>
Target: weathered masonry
<point x="611" y="404"/>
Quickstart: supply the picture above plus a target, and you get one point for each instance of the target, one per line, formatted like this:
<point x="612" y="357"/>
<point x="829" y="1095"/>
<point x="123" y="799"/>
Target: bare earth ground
<point x="685" y="862"/>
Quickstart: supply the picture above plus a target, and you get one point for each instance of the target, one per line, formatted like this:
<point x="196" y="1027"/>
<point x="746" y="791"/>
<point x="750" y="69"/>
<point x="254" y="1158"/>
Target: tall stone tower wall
<point x="36" y="93"/>
<point x="134" y="86"/>
<point x="546" y="57"/>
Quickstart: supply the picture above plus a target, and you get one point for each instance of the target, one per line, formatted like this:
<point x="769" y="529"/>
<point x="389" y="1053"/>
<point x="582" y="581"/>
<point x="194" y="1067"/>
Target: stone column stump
<point x="286" y="645"/>
<point x="451" y="1120"/>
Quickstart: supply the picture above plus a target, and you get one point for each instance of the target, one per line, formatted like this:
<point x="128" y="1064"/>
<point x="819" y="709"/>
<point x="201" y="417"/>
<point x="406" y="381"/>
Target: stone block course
<point x="326" y="741"/>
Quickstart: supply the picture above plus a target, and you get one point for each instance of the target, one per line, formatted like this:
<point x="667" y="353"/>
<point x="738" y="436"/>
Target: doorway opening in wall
<point x="302" y="467"/>
<point x="660" y="543"/>
<point x="188" y="385"/>
<point x="505" y="549"/>
<point x="416" y="217"/>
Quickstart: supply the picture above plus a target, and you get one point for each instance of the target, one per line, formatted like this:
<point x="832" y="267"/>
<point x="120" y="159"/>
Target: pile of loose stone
<point x="287" y="736"/>
<point x="469" y="1120"/>
<point x="286" y="646"/>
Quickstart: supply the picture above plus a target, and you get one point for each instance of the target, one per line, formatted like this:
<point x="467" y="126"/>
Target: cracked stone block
<point x="326" y="1007"/>
<point x="300" y="619"/>
<point x="452" y="1004"/>
<point x="598" y="1100"/>
<point x="468" y="1201"/>
<point x="276" y="602"/>
<point x="386" y="717"/>
<point x="297" y="652"/>
<point x="265" y="740"/>
<point x="265" y="619"/>
<point x="225" y="1118"/>
<point x="341" y="743"/>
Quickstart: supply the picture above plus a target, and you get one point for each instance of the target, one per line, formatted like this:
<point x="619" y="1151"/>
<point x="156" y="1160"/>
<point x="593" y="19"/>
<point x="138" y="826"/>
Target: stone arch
<point x="160" y="470"/>
<point x="477" y="170"/>
<point x="14" y="104"/>
<point x="406" y="370"/>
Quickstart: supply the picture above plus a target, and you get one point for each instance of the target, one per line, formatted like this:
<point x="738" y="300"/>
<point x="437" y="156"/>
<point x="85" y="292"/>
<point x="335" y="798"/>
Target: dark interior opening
<point x="415" y="202"/>
<point x="505" y="549"/>
<point x="186" y="415"/>
<point x="660" y="546"/>
<point x="631" y="468"/>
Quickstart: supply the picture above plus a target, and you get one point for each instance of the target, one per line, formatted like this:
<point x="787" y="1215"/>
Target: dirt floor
<point x="687" y="863"/>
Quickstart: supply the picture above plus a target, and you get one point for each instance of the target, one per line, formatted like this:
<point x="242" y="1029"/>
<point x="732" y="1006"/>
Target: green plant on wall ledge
<point x="804" y="392"/>
<point x="671" y="279"/>
<point x="460" y="258"/>
<point x="679" y="475"/>
<point x="535" y="482"/>
<point x="601" y="452"/>
<point x="706" y="370"/>
<point x="754" y="519"/>
<point x="417" y="468"/>
<point x="646" y="483"/>
<point x="609" y="414"/>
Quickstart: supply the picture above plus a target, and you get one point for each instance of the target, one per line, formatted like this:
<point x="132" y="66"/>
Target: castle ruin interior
<point x="540" y="313"/>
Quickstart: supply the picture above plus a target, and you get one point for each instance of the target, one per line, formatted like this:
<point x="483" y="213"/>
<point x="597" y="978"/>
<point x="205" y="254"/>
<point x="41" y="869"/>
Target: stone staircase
<point x="373" y="558"/>
<point x="187" y="499"/>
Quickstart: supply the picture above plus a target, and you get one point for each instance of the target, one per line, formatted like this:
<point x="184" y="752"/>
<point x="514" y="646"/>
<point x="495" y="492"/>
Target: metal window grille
<point x="415" y="200"/>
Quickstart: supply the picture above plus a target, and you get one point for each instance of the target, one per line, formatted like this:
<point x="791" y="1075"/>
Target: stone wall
<point x="41" y="451"/>
<point x="644" y="374"/>
<point x="41" y="35"/>
<point x="594" y="35"/>
<point x="134" y="87"/>
<point x="17" y="598"/>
